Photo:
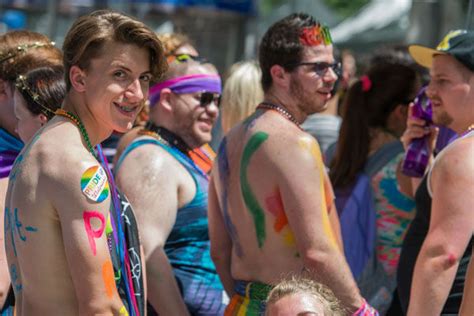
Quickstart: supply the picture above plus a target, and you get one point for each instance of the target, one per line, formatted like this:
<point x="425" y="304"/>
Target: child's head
<point x="302" y="296"/>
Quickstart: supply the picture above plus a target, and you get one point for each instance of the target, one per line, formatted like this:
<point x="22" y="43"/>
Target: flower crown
<point x="315" y="35"/>
<point x="8" y="55"/>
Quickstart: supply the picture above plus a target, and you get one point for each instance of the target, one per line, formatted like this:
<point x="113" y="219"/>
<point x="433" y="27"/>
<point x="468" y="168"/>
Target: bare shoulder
<point x="456" y="161"/>
<point x="147" y="157"/>
<point x="125" y="140"/>
<point x="60" y="155"/>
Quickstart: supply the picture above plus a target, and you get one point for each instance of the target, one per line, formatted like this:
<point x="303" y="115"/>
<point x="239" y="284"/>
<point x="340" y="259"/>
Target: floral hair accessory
<point x="366" y="83"/>
<point x="4" y="56"/>
<point x="22" y="85"/>
<point x="315" y="35"/>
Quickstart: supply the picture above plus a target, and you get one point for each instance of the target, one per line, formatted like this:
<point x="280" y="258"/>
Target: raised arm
<point x="152" y="188"/>
<point x="451" y="228"/>
<point x="83" y="225"/>
<point x="301" y="179"/>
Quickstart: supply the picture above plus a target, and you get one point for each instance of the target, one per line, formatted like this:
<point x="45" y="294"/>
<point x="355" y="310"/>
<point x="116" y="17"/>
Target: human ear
<point x="280" y="76"/>
<point x="77" y="78"/>
<point x="5" y="90"/>
<point x="42" y="118"/>
<point x="165" y="100"/>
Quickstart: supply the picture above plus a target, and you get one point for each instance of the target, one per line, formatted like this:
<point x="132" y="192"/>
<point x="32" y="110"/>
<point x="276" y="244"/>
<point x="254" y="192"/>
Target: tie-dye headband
<point x="187" y="84"/>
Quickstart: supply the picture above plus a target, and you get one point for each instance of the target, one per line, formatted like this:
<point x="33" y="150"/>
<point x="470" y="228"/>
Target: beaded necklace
<point x="279" y="109"/>
<point x="117" y="225"/>
<point x="171" y="140"/>
<point x="76" y="120"/>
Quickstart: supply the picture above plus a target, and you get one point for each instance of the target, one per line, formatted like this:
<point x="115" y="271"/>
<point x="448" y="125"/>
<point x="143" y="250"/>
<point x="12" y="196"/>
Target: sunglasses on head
<point x="208" y="97"/>
<point x="183" y="58"/>
<point x="321" y="68"/>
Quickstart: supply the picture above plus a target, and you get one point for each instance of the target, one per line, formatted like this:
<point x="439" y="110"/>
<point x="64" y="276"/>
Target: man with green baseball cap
<point x="434" y="265"/>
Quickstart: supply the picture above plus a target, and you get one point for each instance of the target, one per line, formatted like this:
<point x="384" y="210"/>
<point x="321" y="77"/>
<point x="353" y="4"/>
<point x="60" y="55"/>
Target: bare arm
<point x="83" y="224"/>
<point x="467" y="306"/>
<point x="4" y="274"/>
<point x="152" y="188"/>
<point x="221" y="244"/>
<point x="301" y="180"/>
<point x="451" y="228"/>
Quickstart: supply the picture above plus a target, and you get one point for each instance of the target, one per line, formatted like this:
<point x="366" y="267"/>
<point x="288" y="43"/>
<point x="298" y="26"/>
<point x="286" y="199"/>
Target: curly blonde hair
<point x="302" y="285"/>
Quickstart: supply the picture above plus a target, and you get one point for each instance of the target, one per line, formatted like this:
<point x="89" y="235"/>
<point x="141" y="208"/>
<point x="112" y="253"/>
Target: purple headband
<point x="187" y="84"/>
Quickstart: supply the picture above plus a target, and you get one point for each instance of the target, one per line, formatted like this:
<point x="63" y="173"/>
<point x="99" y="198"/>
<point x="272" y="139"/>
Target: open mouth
<point x="127" y="110"/>
<point x="326" y="94"/>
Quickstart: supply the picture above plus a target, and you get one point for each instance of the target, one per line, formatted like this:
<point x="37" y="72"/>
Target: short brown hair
<point x="22" y="51"/>
<point x="91" y="32"/>
<point x="173" y="41"/>
<point x="301" y="285"/>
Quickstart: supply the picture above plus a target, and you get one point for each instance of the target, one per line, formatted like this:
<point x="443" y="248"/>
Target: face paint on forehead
<point x="315" y="35"/>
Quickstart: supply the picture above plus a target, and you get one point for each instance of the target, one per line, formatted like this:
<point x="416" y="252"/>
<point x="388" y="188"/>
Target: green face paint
<point x="249" y="198"/>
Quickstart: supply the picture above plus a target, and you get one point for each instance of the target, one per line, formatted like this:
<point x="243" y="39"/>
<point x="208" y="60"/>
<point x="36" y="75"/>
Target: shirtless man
<point x="168" y="191"/>
<point x="20" y="52"/>
<point x="438" y="244"/>
<point x="467" y="305"/>
<point x="271" y="209"/>
<point x="58" y="226"/>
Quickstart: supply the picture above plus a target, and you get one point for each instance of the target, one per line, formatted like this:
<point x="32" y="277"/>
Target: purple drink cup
<point x="418" y="153"/>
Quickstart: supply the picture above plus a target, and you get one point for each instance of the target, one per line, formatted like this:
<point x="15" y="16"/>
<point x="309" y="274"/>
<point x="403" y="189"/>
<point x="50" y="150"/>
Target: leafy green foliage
<point x="345" y="8"/>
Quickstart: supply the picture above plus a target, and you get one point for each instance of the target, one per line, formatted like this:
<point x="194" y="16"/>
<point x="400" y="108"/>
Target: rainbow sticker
<point x="94" y="184"/>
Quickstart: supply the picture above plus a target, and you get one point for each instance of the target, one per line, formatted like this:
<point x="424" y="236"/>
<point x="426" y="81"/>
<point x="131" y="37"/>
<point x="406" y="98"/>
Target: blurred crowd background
<point x="226" y="31"/>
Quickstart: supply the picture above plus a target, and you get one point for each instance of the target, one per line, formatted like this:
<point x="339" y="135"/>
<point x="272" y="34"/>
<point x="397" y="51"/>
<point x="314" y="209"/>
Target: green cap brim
<point x="423" y="55"/>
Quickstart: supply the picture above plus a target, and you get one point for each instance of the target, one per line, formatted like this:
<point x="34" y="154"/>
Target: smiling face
<point x="451" y="91"/>
<point x="27" y="122"/>
<point x="310" y="90"/>
<point x="116" y="84"/>
<point x="191" y="121"/>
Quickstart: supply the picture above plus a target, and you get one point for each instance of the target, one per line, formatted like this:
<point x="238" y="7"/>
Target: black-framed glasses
<point x="207" y="97"/>
<point x="321" y="67"/>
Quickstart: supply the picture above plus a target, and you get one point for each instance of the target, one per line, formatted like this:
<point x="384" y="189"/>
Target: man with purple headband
<point x="167" y="186"/>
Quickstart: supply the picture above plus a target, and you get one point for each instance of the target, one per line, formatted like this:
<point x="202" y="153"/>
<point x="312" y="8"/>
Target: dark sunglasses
<point x="321" y="68"/>
<point x="208" y="97"/>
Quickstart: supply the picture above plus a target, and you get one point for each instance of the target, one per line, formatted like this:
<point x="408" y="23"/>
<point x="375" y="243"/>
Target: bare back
<point x="58" y="259"/>
<point x="269" y="179"/>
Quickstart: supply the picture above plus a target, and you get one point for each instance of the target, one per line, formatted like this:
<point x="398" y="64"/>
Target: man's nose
<point x="134" y="92"/>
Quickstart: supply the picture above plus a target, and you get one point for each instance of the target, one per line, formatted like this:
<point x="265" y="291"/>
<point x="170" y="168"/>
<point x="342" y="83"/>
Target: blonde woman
<point x="242" y="93"/>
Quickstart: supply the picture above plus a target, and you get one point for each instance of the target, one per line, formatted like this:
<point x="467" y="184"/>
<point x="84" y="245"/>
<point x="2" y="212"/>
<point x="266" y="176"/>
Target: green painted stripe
<point x="249" y="198"/>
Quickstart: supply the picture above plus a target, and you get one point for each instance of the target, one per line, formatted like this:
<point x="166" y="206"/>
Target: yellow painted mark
<point x="288" y="237"/>
<point x="311" y="146"/>
<point x="123" y="311"/>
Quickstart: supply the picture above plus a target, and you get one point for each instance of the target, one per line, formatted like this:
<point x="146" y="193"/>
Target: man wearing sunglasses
<point x="163" y="173"/>
<point x="271" y="205"/>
